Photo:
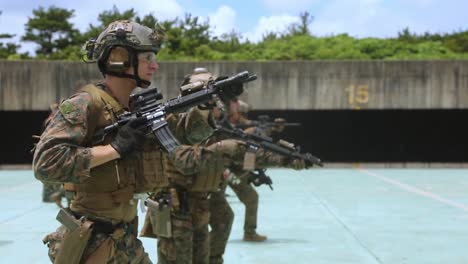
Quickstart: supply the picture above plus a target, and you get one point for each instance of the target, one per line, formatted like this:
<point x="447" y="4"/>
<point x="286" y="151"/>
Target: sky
<point x="254" y="18"/>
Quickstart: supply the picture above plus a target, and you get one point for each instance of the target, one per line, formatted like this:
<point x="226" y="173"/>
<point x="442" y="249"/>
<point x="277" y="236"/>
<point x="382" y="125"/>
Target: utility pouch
<point x="75" y="240"/>
<point x="147" y="229"/>
<point x="249" y="158"/>
<point x="160" y="218"/>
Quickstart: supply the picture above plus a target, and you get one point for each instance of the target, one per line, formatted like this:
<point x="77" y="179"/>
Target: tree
<point x="51" y="30"/>
<point x="149" y="20"/>
<point x="107" y="17"/>
<point x="194" y="33"/>
<point x="9" y="49"/>
<point x="301" y="28"/>
<point x="184" y="36"/>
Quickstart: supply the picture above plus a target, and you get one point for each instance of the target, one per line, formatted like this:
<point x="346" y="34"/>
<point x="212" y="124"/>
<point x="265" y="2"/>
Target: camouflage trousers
<point x="122" y="246"/>
<point x="221" y="220"/>
<point x="190" y="239"/>
<point x="249" y="197"/>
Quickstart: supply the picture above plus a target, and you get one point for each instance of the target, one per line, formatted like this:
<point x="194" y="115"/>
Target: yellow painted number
<point x="358" y="96"/>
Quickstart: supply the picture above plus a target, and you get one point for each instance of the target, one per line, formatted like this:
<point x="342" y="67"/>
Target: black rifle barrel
<point x="268" y="144"/>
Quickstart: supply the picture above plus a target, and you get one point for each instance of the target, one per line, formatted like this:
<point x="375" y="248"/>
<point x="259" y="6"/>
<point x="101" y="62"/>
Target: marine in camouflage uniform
<point x="193" y="179"/>
<point x="240" y="185"/>
<point x="189" y="242"/>
<point x="104" y="177"/>
<point x="222" y="215"/>
<point x="244" y="191"/>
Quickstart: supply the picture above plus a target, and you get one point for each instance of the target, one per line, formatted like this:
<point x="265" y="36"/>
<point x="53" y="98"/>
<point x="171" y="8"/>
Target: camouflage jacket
<point x="60" y="155"/>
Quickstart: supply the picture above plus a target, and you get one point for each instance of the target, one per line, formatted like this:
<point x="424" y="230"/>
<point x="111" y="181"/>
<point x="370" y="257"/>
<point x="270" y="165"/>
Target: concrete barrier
<point x="281" y="85"/>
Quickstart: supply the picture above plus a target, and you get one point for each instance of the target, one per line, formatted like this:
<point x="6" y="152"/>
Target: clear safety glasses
<point x="148" y="57"/>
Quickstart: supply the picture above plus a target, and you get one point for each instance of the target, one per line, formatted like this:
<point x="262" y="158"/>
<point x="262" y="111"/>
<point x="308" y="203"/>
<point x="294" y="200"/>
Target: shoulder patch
<point x="75" y="108"/>
<point x="67" y="107"/>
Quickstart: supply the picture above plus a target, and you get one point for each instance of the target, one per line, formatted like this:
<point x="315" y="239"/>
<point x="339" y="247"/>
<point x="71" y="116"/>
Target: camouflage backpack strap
<point x="101" y="101"/>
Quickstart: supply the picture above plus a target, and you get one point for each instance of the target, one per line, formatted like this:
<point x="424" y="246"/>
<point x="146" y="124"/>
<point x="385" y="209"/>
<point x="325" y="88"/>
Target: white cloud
<point x="422" y="3"/>
<point x="291" y="6"/>
<point x="223" y="20"/>
<point x="270" y="24"/>
<point x="358" y="18"/>
<point x="379" y="18"/>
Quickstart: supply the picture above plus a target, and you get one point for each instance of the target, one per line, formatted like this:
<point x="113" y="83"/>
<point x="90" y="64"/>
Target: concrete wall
<point x="34" y="85"/>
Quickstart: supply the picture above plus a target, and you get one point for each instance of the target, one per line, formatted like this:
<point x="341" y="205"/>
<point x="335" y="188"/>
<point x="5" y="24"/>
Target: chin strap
<point x="140" y="82"/>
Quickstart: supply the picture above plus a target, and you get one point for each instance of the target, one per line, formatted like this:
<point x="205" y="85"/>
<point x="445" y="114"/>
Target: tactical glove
<point x="129" y="138"/>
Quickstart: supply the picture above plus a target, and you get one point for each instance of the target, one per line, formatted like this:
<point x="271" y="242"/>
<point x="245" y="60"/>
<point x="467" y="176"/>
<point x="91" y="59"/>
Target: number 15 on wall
<point x="358" y="96"/>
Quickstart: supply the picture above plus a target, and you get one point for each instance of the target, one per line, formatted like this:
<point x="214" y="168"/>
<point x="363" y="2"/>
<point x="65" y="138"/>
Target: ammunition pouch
<point x="209" y="177"/>
<point x="153" y="176"/>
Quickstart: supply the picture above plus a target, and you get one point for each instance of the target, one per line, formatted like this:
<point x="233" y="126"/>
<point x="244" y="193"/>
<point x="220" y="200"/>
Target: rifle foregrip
<point x="313" y="160"/>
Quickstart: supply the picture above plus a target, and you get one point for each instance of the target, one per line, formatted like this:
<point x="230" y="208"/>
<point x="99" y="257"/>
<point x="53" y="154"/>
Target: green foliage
<point x="190" y="39"/>
<point x="9" y="50"/>
<point x="105" y="18"/>
<point x="192" y="33"/>
<point x="71" y="53"/>
<point x="457" y="42"/>
<point x="51" y="30"/>
<point x="149" y="20"/>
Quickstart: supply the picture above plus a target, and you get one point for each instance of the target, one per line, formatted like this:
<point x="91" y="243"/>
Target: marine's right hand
<point x="129" y="138"/>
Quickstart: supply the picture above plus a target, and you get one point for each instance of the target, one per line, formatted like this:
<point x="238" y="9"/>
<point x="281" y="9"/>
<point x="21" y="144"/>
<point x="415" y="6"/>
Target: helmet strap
<point x="140" y="83"/>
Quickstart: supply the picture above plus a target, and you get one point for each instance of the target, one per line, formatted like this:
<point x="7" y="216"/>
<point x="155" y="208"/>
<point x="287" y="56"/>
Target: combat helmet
<point x="116" y="48"/>
<point x="198" y="79"/>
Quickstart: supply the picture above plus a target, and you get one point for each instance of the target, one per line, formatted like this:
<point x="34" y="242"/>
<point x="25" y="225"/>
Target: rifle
<point x="258" y="139"/>
<point x="260" y="178"/>
<point x="146" y="105"/>
<point x="264" y="121"/>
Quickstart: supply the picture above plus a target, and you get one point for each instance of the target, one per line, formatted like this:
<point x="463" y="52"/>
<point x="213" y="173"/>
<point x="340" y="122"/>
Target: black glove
<point x="129" y="138"/>
<point x="231" y="92"/>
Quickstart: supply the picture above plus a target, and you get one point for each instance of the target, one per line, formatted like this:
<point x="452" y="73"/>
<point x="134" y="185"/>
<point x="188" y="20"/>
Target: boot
<point x="254" y="237"/>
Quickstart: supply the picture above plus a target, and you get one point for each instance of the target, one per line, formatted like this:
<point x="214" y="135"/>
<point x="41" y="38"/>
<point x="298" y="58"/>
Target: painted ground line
<point x="415" y="190"/>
